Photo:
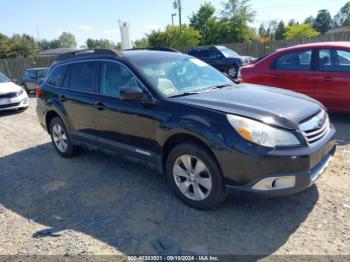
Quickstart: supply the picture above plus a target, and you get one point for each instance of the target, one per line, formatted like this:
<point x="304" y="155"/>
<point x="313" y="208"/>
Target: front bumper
<point x="299" y="167"/>
<point x="19" y="102"/>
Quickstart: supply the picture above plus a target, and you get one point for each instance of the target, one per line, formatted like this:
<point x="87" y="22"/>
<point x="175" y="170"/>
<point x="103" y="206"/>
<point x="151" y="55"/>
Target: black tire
<point x="71" y="149"/>
<point x="232" y="68"/>
<point x="217" y="194"/>
<point x="26" y="89"/>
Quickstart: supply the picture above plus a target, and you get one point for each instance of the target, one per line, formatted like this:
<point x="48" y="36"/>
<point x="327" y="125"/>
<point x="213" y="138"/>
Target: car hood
<point x="275" y="106"/>
<point x="9" y="88"/>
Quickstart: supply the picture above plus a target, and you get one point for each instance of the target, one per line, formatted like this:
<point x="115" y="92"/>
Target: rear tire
<point x="60" y="138"/>
<point x="195" y="177"/>
<point x="232" y="71"/>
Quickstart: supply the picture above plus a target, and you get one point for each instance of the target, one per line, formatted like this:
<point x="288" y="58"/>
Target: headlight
<point x="262" y="134"/>
<point x="20" y="92"/>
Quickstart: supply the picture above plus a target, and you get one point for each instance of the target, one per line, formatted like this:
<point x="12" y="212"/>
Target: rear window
<point x="57" y="75"/>
<point x="83" y="76"/>
<point x="295" y="61"/>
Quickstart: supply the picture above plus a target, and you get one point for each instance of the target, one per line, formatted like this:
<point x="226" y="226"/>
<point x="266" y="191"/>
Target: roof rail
<point x="88" y="52"/>
<point x="165" y="49"/>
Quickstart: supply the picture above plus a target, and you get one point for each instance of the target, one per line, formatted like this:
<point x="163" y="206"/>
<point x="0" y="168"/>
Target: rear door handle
<point x="277" y="76"/>
<point x="62" y="98"/>
<point x="328" y="78"/>
<point x="100" y="106"/>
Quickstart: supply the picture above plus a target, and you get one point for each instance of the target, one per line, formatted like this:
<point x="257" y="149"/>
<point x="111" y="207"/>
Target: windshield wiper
<point x="185" y="94"/>
<point x="218" y="87"/>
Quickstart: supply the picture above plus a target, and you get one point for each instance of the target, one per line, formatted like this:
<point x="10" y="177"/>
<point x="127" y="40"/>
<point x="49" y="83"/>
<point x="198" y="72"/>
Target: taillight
<point x="38" y="91"/>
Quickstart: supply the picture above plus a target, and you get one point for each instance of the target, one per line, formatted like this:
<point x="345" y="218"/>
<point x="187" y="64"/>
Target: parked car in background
<point x="319" y="70"/>
<point x="184" y="118"/>
<point x="32" y="77"/>
<point x="222" y="58"/>
<point x="12" y="96"/>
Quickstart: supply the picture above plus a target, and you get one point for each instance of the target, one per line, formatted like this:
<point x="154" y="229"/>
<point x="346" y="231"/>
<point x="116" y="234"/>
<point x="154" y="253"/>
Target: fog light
<point x="275" y="183"/>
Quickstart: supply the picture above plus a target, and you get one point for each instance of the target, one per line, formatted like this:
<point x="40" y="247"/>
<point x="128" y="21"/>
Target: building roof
<point x="57" y="51"/>
<point x="339" y="30"/>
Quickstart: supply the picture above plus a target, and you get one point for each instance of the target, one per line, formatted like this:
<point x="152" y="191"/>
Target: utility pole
<point x="177" y="5"/>
<point x="180" y="10"/>
<point x="172" y="18"/>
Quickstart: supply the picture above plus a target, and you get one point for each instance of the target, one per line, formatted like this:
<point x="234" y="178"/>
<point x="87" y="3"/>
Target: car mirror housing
<point x="131" y="93"/>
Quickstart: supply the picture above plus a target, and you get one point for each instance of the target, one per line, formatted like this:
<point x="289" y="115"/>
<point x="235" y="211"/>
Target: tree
<point x="267" y="30"/>
<point x="323" y="21"/>
<point x="342" y="18"/>
<point x="205" y="22"/>
<point x="141" y="43"/>
<point x="280" y="31"/>
<point x="300" y="31"/>
<point x="175" y="37"/>
<point x="292" y="22"/>
<point x="234" y="24"/>
<point x="309" y="20"/>
<point x="67" y="40"/>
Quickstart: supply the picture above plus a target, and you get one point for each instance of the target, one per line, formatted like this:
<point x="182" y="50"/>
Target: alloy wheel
<point x="60" y="138"/>
<point x="192" y="177"/>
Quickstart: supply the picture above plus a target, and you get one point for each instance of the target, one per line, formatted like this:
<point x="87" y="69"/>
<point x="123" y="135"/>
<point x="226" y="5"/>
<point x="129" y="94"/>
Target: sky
<point x="99" y="18"/>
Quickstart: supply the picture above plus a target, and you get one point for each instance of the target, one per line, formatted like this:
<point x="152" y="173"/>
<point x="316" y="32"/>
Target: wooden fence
<point x="14" y="68"/>
<point x="257" y="49"/>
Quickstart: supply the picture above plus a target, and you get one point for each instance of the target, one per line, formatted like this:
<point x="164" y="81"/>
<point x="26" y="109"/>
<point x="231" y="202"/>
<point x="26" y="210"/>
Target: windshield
<point x="228" y="52"/>
<point x="178" y="75"/>
<point x="4" y="79"/>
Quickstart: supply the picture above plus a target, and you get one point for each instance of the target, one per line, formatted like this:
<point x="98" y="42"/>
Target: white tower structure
<point x="125" y="35"/>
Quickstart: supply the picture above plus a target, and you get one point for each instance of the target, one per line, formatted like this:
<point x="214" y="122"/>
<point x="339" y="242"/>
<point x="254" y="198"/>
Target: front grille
<point x="8" y="95"/>
<point x="315" y="128"/>
<point x="9" y="105"/>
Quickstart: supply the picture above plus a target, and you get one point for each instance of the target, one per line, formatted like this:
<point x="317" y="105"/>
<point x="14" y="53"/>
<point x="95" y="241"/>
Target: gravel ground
<point x="98" y="204"/>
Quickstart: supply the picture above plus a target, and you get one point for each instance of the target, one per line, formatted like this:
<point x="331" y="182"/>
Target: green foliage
<point x="18" y="45"/>
<point x="175" y="37"/>
<point x="300" y="31"/>
<point x="342" y="18"/>
<point x="206" y="23"/>
<point x="323" y="21"/>
<point x="268" y="30"/>
<point x="67" y="40"/>
<point x="236" y="16"/>
<point x="280" y="31"/>
<point x="102" y="43"/>
<point x="141" y="43"/>
<point x="309" y="20"/>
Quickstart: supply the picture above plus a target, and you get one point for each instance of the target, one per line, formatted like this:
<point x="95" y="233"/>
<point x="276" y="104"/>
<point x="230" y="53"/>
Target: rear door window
<point x="331" y="60"/>
<point x="295" y="61"/>
<point x="57" y="75"/>
<point x="83" y="77"/>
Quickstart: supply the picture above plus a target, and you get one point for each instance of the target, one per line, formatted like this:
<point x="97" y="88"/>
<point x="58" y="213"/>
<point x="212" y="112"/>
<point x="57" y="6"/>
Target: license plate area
<point x="5" y="101"/>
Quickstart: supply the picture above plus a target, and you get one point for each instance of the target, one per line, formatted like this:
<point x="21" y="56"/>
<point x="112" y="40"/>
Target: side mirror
<point x="131" y="93"/>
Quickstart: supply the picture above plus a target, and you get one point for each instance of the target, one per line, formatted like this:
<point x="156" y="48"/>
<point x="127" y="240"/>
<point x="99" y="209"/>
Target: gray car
<point x="32" y="78"/>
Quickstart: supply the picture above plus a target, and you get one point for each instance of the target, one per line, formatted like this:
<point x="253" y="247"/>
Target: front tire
<point x="60" y="138"/>
<point x="195" y="177"/>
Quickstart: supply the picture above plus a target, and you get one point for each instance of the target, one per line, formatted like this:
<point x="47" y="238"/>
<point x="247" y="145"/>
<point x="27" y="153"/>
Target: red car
<point x="319" y="70"/>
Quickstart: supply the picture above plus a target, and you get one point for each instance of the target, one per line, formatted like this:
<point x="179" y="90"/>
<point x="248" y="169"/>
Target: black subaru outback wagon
<point x="184" y="118"/>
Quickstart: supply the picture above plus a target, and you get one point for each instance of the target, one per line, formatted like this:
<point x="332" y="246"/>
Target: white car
<point x="12" y="96"/>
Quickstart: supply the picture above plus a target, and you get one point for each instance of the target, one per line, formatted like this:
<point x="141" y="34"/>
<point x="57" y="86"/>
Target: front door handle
<point x="277" y="76"/>
<point x="100" y="106"/>
<point x="328" y="78"/>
